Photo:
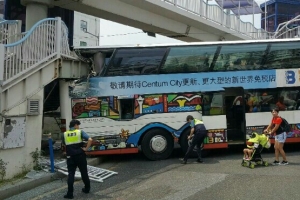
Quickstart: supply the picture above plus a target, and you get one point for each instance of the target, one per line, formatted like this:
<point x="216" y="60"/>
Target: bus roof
<point x="109" y="48"/>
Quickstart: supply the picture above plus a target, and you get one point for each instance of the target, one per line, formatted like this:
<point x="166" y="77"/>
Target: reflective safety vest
<point x="73" y="137"/>
<point x="197" y="121"/>
<point x="199" y="125"/>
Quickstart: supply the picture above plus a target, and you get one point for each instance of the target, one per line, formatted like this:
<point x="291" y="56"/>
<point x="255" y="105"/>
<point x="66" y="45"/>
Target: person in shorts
<point x="280" y="136"/>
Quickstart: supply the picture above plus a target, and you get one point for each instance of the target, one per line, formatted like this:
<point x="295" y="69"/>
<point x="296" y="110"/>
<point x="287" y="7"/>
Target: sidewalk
<point x="37" y="179"/>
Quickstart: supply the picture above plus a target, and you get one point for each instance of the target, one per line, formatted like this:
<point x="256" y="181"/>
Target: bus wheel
<point x="157" y="144"/>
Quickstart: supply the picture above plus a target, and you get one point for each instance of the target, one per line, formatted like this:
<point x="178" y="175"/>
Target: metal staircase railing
<point x="45" y="42"/>
<point x="10" y="31"/>
<point x="217" y="15"/>
<point x="289" y="29"/>
<point x="38" y="58"/>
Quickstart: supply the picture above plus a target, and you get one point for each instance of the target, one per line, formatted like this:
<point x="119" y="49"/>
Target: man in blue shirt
<point x="198" y="133"/>
<point x="76" y="157"/>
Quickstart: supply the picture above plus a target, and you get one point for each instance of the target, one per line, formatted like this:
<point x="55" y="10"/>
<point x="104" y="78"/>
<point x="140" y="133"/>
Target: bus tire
<point x="157" y="144"/>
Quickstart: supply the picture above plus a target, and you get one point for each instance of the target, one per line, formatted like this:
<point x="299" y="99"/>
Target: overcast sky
<point x="112" y="33"/>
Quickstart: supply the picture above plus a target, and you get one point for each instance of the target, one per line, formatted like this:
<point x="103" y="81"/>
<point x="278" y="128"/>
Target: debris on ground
<point x="60" y="165"/>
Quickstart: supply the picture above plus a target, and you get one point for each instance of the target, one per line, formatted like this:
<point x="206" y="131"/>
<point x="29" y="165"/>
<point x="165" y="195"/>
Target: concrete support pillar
<point x="65" y="101"/>
<point x="36" y="10"/>
<point x="99" y="59"/>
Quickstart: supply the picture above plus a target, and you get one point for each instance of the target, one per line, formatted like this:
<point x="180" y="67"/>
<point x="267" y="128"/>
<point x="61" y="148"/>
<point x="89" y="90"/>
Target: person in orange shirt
<point x="280" y="105"/>
<point x="280" y="136"/>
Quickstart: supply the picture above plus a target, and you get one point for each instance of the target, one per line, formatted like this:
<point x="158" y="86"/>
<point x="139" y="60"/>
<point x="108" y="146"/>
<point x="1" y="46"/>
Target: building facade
<point x="86" y="30"/>
<point x="279" y="11"/>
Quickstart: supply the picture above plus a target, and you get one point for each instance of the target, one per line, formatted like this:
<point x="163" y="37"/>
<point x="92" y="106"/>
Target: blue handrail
<point x="30" y="31"/>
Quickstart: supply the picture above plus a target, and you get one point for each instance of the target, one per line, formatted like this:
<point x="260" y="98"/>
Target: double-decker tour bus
<point x="141" y="95"/>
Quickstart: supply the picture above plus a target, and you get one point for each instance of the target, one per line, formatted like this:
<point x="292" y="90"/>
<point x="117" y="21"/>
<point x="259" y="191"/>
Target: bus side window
<point x="127" y="109"/>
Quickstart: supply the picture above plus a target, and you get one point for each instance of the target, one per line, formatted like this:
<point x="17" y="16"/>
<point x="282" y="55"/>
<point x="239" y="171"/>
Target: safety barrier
<point x="216" y="14"/>
<point x="289" y="29"/>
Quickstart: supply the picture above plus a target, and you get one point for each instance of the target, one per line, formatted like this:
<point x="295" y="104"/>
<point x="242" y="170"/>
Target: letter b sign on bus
<point x="290" y="77"/>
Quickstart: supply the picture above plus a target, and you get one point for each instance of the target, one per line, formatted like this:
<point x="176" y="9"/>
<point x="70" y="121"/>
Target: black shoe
<point x="183" y="162"/>
<point x="275" y="162"/>
<point x="84" y="190"/>
<point x="284" y="163"/>
<point x="68" y="196"/>
<point x="199" y="161"/>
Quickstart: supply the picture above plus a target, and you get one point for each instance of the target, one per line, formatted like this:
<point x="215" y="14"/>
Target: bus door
<point x="235" y="115"/>
<point x="126" y="107"/>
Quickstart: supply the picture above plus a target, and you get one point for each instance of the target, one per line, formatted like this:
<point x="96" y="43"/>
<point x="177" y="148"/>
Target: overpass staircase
<point x="30" y="61"/>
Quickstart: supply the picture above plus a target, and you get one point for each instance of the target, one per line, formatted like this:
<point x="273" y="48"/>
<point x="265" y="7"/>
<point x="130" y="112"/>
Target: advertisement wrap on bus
<point x="143" y="99"/>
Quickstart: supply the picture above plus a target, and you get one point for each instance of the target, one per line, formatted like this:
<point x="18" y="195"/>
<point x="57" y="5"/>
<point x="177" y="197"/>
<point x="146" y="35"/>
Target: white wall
<point x="93" y="27"/>
<point x="19" y="157"/>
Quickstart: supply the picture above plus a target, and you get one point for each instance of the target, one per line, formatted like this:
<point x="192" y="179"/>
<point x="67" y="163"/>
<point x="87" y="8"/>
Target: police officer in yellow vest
<point x="73" y="140"/>
<point x="198" y="132"/>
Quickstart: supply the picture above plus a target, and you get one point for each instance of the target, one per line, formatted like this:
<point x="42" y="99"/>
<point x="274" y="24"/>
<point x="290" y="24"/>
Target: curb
<point x="28" y="184"/>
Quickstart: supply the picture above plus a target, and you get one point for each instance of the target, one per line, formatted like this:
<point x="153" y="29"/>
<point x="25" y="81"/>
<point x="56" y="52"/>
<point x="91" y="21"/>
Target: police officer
<point x="73" y="140"/>
<point x="198" y="132"/>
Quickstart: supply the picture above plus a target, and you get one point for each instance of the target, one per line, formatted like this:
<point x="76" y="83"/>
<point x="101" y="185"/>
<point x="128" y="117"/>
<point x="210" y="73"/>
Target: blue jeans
<point x="281" y="137"/>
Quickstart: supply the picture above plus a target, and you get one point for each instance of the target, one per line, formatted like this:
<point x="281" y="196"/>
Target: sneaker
<point x="284" y="163"/>
<point x="275" y="162"/>
<point x="199" y="161"/>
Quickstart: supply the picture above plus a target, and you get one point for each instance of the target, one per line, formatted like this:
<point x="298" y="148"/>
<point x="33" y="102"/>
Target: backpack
<point x="285" y="127"/>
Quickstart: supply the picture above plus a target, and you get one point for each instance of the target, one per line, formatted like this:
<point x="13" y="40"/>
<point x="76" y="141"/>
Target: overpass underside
<point x="158" y="17"/>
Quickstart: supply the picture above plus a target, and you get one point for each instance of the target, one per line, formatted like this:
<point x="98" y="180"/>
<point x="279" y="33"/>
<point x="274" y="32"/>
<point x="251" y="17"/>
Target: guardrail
<point x="217" y="15"/>
<point x="10" y="31"/>
<point x="289" y="29"/>
<point x="46" y="41"/>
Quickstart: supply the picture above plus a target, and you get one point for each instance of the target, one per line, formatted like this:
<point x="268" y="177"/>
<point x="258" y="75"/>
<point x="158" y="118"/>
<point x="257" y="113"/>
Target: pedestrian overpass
<point x="186" y="20"/>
